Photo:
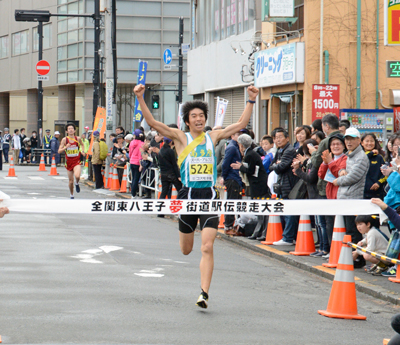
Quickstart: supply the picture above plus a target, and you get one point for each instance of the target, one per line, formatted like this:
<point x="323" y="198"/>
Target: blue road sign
<point x="167" y="56"/>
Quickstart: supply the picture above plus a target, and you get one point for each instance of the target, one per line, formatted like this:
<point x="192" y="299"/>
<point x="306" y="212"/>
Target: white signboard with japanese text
<point x="279" y="65"/>
<point x="222" y="104"/>
<point x="281" y="8"/>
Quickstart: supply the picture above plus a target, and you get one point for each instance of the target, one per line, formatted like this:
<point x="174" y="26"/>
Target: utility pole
<point x="96" y="72"/>
<point x="40" y="85"/>
<point x="180" y="86"/>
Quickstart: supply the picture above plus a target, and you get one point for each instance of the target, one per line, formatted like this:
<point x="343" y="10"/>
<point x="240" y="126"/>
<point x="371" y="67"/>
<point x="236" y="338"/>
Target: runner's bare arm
<point x="62" y="147"/>
<point x="172" y="133"/>
<point x="243" y="120"/>
<point x="81" y="145"/>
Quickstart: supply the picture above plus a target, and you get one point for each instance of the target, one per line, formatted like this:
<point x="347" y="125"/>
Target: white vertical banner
<point x="109" y="97"/>
<point x="180" y="123"/>
<point x="222" y="104"/>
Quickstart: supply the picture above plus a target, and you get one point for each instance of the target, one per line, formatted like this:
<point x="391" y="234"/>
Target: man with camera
<point x="282" y="165"/>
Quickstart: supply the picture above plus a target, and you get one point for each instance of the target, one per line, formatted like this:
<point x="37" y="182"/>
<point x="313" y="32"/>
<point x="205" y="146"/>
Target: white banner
<point x="179" y="207"/>
<point x="222" y="104"/>
<point x="179" y="122"/>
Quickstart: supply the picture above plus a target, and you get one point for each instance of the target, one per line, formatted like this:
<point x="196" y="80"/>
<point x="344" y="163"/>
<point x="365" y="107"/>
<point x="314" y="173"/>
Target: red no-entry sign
<point x="43" y="67"/>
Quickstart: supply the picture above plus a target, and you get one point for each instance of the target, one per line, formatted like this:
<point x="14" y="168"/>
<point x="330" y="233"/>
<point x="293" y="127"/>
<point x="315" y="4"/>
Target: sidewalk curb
<point x="362" y="286"/>
<point x="270" y="251"/>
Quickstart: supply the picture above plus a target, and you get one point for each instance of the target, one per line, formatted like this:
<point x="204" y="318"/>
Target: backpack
<point x="103" y="150"/>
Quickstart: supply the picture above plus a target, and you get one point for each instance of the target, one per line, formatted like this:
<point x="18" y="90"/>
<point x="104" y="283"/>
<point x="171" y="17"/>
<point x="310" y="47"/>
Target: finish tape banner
<point x="195" y="207"/>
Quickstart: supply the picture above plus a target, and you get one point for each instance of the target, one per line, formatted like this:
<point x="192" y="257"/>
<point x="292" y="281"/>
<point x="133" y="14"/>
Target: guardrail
<point x="150" y="181"/>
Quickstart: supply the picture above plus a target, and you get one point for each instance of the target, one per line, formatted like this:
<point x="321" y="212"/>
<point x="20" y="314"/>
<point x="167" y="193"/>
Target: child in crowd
<point x="375" y="180"/>
<point x="267" y="145"/>
<point x="374" y="241"/>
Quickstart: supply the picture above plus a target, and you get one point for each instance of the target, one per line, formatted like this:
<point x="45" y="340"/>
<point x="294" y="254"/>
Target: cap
<point x="47" y="130"/>
<point x="96" y="133"/>
<point x="167" y="140"/>
<point x="56" y="132"/>
<point x="244" y="130"/>
<point x="352" y="132"/>
<point x="86" y="127"/>
<point x="119" y="136"/>
<point x="137" y="132"/>
<point x="337" y="136"/>
<point x="6" y="129"/>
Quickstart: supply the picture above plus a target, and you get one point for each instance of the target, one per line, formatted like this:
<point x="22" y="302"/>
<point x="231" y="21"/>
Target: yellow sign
<point x="392" y="22"/>
<point x="99" y="125"/>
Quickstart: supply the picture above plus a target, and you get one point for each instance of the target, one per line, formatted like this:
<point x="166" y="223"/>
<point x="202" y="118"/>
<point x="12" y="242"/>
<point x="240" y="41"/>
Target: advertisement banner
<point x="220" y="111"/>
<point x="280" y="65"/>
<point x="396" y="114"/>
<point x="109" y="98"/>
<point x="142" y="70"/>
<point x="392" y="22"/>
<point x="99" y="125"/>
<point x="325" y="100"/>
<point x="179" y="122"/>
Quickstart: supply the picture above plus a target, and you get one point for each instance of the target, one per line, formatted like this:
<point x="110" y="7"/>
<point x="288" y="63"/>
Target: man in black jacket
<point x="168" y="168"/>
<point x="282" y="165"/>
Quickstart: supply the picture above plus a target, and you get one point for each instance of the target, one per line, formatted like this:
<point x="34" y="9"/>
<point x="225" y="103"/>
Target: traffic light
<point x="155" y="101"/>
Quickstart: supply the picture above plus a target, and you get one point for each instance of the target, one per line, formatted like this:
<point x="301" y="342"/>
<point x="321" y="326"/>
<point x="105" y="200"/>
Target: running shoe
<point x="202" y="301"/>
<point x="379" y="270"/>
<point x="390" y="272"/>
<point x="72" y="197"/>
<point x="316" y="254"/>
<point x="77" y="188"/>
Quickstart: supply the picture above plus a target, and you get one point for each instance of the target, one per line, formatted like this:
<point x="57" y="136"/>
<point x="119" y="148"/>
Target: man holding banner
<point x="198" y="168"/>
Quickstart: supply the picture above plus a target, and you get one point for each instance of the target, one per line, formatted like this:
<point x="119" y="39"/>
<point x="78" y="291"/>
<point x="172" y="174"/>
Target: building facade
<point x="223" y="40"/>
<point x="144" y="30"/>
<point x="327" y="39"/>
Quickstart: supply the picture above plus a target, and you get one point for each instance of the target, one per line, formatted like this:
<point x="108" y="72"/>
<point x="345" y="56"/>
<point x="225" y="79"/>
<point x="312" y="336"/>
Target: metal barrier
<point x="148" y="181"/>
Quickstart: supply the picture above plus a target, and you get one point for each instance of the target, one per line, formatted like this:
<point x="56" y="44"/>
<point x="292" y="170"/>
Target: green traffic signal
<point x="155" y="101"/>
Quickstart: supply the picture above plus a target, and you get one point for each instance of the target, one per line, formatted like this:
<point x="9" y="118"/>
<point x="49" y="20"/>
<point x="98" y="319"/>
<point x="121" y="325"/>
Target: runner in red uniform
<point x="71" y="145"/>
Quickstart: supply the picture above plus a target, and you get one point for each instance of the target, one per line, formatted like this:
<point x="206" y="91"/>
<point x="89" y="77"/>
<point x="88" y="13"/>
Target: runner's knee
<point x="207" y="248"/>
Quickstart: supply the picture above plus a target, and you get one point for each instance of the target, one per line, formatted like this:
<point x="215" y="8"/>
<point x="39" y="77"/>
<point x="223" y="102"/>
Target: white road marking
<point x="167" y="259"/>
<point x="33" y="193"/>
<point x="88" y="255"/>
<point x="60" y="178"/>
<point x="92" y="261"/>
<point x="150" y="275"/>
<point x="10" y="178"/>
<point x="181" y="262"/>
<point x="108" y="249"/>
<point x="36" y="178"/>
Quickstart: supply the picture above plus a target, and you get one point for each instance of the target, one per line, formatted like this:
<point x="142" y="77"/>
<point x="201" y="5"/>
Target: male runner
<point x="71" y="146"/>
<point x="198" y="170"/>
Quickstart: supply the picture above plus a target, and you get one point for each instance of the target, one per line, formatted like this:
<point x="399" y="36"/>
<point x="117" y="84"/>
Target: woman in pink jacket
<point x="135" y="156"/>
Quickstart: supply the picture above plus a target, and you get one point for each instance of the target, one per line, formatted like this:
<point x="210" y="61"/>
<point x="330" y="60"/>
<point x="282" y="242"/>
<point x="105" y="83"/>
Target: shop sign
<point x="280" y="65"/>
<point x="325" y="100"/>
<point x="392" y="22"/>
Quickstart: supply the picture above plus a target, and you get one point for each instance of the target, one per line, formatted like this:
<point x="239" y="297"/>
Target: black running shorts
<point x="188" y="223"/>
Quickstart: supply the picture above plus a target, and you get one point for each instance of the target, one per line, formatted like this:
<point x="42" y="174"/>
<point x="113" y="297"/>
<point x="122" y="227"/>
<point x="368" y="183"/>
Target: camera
<point x="277" y="188"/>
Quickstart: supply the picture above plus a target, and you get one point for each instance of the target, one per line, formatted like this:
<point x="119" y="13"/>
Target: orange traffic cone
<point x="305" y="240"/>
<point x="42" y="166"/>
<point x="159" y="190"/>
<point x="342" y="301"/>
<point x="339" y="230"/>
<point x="274" y="230"/>
<point x="11" y="170"/>
<point x="115" y="182"/>
<point x="221" y="222"/>
<point x="109" y="173"/>
<point x="124" y="181"/>
<point x="53" y="170"/>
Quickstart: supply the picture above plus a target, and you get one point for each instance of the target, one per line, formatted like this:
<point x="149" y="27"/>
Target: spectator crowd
<point x="327" y="160"/>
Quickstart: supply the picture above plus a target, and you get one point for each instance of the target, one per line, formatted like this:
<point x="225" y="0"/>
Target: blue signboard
<point x="280" y="65"/>
<point x="167" y="56"/>
<point x="137" y="114"/>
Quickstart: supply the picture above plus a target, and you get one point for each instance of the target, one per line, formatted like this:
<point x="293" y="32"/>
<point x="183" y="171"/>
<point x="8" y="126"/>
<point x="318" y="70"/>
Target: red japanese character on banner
<point x="175" y="206"/>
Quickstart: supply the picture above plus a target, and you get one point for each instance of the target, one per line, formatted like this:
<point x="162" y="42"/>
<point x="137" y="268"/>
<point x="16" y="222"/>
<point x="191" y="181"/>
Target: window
<point x="46" y="37"/>
<point x="299" y="13"/>
<point x="20" y="43"/>
<point x="3" y="47"/>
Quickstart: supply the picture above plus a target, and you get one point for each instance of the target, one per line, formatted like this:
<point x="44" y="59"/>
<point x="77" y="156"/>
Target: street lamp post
<point x="44" y="16"/>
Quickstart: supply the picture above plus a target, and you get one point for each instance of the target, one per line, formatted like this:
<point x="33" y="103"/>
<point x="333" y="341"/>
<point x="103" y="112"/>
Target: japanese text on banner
<point x="142" y="71"/>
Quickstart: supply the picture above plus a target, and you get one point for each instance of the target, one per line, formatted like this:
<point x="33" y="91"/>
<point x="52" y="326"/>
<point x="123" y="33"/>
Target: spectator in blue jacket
<point x="231" y="179"/>
<point x="267" y="144"/>
<point x="54" y="145"/>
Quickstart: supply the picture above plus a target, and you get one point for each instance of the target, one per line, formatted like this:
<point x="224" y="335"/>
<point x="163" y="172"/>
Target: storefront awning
<point x="285" y="97"/>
